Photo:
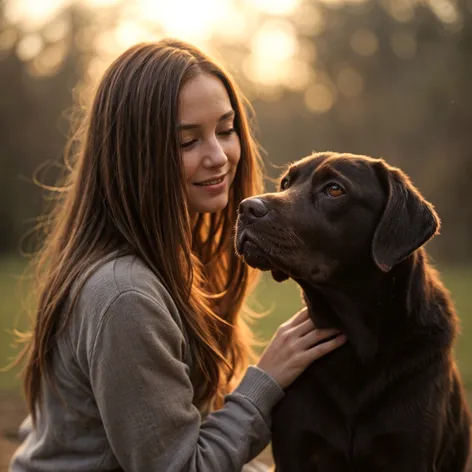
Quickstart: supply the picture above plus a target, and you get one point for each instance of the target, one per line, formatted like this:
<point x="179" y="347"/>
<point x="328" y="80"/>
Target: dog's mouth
<point x="255" y="255"/>
<point x="249" y="248"/>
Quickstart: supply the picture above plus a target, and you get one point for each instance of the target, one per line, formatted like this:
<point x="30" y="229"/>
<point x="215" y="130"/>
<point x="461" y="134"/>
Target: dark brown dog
<point x="349" y="230"/>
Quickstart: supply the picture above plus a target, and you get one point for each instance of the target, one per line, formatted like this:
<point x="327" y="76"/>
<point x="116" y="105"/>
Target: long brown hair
<point x="125" y="192"/>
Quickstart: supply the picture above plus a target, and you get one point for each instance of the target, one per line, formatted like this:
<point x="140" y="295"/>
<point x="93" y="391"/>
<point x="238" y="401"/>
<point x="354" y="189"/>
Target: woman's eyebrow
<point x="225" y="116"/>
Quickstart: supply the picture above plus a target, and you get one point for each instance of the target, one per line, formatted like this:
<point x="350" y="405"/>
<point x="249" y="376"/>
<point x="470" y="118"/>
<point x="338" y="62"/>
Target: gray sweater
<point x="123" y="369"/>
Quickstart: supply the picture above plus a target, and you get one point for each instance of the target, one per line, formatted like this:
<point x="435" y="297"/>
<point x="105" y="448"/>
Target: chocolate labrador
<point x="350" y="230"/>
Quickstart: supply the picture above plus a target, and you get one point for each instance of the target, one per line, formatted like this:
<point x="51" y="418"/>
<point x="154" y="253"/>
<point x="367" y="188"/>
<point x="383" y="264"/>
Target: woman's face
<point x="210" y="145"/>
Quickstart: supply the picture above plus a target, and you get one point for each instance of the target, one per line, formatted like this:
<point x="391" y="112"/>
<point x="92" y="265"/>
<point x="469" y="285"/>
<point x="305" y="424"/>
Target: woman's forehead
<point x="203" y="98"/>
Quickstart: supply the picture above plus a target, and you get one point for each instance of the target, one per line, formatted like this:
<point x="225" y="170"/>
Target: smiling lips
<point x="214" y="181"/>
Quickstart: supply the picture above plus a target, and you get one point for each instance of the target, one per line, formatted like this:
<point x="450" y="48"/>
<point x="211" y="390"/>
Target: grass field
<point x="281" y="299"/>
<point x="12" y="299"/>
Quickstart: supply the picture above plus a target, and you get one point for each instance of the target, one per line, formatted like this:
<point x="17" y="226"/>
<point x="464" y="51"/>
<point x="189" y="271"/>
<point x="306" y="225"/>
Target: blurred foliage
<point x="387" y="78"/>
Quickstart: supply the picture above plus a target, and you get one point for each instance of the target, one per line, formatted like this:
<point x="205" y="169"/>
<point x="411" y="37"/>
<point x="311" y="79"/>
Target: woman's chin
<point x="210" y="205"/>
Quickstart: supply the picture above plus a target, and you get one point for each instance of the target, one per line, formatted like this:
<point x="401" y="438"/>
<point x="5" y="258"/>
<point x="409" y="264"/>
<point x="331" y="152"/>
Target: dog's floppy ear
<point x="408" y="220"/>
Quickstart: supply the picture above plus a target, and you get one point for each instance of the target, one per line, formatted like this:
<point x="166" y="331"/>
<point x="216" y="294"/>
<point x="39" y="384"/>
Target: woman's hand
<point x="295" y="346"/>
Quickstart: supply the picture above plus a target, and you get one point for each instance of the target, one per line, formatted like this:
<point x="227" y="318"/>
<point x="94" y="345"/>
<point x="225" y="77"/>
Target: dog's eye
<point x="334" y="190"/>
<point x="284" y="183"/>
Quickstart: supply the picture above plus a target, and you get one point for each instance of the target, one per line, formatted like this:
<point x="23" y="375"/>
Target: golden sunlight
<point x="186" y="19"/>
<point x="264" y="25"/>
<point x="32" y="15"/>
<point x="273" y="46"/>
<point x="275" y="7"/>
<point x="274" y="33"/>
<point x="29" y="46"/>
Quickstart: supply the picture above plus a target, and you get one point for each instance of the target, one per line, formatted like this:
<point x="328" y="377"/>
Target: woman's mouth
<point x="214" y="186"/>
<point x="211" y="182"/>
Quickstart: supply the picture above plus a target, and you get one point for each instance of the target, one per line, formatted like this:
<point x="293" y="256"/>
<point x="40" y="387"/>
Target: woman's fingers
<point x="315" y="336"/>
<point x="294" y="347"/>
<point x="303" y="328"/>
<point x="324" y="348"/>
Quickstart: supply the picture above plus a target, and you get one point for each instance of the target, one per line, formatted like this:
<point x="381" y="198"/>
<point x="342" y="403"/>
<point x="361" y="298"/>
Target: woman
<point x="139" y="356"/>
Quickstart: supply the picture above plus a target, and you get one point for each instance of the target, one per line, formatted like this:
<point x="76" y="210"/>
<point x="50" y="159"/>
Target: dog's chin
<point x="255" y="257"/>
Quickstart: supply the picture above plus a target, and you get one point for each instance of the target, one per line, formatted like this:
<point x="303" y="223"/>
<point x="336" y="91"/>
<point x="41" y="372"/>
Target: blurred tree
<point x="31" y="106"/>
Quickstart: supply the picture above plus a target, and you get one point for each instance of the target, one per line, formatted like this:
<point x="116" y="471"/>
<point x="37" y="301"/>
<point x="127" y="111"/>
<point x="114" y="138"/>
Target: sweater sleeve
<point x="144" y="394"/>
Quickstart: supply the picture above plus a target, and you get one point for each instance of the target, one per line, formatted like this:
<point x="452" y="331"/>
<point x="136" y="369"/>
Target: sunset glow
<point x="274" y="33"/>
<point x="263" y="24"/>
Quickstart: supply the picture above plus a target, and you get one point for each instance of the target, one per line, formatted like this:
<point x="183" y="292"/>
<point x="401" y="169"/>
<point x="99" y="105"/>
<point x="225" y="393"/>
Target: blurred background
<point x="386" y="78"/>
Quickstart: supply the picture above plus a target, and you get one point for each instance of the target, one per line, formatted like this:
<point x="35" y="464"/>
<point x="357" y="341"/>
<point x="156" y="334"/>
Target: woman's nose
<point x="215" y="155"/>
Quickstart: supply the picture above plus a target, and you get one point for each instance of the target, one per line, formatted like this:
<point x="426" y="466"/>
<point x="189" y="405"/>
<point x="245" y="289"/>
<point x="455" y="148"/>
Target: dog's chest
<point x="309" y="426"/>
<point x="342" y="379"/>
<point x="325" y="413"/>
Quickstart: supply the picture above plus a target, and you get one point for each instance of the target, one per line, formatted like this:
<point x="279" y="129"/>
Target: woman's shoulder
<point x="114" y="282"/>
<point x="121" y="299"/>
<point x="114" y="276"/>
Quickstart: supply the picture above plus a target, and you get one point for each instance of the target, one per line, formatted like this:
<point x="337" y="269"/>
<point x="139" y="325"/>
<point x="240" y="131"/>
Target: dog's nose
<point x="252" y="209"/>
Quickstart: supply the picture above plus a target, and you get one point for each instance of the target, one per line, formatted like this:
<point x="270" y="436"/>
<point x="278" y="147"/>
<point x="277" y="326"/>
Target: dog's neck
<point x="360" y="304"/>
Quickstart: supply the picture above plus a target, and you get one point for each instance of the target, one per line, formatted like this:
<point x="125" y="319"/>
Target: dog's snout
<point x="252" y="209"/>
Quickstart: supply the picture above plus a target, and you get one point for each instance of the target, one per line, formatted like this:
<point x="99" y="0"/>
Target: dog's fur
<point x="391" y="398"/>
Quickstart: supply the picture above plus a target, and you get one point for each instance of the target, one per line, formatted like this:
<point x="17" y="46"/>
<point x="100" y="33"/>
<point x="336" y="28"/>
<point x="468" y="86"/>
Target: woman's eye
<point x="284" y="183"/>
<point x="188" y="144"/>
<point x="334" y="190"/>
<point x="228" y="132"/>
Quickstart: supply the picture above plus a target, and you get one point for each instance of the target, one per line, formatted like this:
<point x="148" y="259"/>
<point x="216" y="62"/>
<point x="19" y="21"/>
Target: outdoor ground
<point x="282" y="299"/>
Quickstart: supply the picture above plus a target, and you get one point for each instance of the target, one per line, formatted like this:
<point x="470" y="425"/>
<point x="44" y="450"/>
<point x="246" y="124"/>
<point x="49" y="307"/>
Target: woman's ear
<point x="408" y="220"/>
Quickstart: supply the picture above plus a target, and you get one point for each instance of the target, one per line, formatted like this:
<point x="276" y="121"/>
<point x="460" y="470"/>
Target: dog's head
<point x="334" y="211"/>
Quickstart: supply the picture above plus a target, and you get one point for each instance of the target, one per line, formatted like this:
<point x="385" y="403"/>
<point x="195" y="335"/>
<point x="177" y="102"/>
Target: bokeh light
<point x="403" y="44"/>
<point x="272" y="42"/>
<point x="319" y="98"/>
<point x="364" y="42"/>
